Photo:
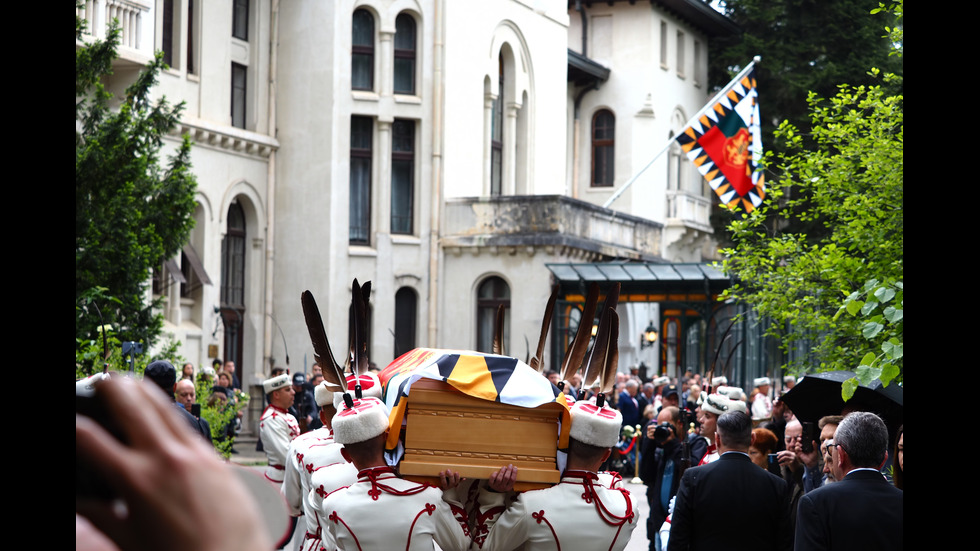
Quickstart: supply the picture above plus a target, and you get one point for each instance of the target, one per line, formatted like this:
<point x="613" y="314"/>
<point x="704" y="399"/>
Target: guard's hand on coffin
<point x="503" y="480"/>
<point x="449" y="479"/>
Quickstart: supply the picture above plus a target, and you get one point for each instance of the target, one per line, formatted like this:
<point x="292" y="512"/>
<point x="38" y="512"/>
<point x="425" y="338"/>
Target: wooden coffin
<point x="446" y="429"/>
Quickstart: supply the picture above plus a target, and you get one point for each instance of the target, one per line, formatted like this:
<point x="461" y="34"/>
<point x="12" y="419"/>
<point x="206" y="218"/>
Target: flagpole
<point x="690" y="121"/>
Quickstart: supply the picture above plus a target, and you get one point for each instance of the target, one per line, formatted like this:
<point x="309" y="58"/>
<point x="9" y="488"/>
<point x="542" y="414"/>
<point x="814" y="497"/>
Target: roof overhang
<point x="583" y="71"/>
<point x="642" y="281"/>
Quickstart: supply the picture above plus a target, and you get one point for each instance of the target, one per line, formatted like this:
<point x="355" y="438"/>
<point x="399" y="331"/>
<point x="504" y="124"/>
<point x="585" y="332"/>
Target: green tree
<point x="131" y="211"/>
<point x="850" y="183"/>
<point x="806" y="46"/>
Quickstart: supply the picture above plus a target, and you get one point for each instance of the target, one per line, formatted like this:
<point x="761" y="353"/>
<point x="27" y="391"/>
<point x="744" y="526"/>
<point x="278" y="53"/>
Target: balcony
<point x="135" y="20"/>
<point x="689" y="210"/>
<point x="555" y="221"/>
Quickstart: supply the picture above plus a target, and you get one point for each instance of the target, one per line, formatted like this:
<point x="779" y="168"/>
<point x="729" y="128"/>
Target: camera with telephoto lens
<point x="662" y="432"/>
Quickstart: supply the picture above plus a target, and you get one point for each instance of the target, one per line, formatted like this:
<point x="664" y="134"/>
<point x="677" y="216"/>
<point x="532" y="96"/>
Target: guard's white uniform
<point x="382" y="511"/>
<point x="580" y="512"/>
<point x="277" y="427"/>
<point x="761" y="407"/>
<point x="324" y="481"/>
<point x="307" y="452"/>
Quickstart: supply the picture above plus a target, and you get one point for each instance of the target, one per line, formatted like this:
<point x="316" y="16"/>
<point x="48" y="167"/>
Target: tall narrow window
<point x="405" y="54"/>
<point x="361" y="131"/>
<point x="362" y="51"/>
<point x="233" y="283"/>
<point x="663" y="44"/>
<point x="168" y="32"/>
<point x="239" y="19"/>
<point x="698" y="63"/>
<point x="191" y="34"/>
<point x="603" y="148"/>
<point x="680" y="54"/>
<point x="492" y="293"/>
<point x="239" y="80"/>
<point x="233" y="259"/>
<point x="402" y="175"/>
<point x="406" y="311"/>
<point x="496" y="135"/>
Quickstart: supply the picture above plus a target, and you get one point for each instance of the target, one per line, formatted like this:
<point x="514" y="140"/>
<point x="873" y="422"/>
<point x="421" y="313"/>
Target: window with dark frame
<point x="402" y="175"/>
<point x="233" y="259"/>
<point x="362" y="51"/>
<point x="406" y="312"/>
<point x="239" y="84"/>
<point x="239" y="19"/>
<point x="191" y="32"/>
<point x="491" y="294"/>
<point x="496" y="133"/>
<point x="361" y="133"/>
<point x="405" y="54"/>
<point x="603" y="148"/>
<point x="168" y="32"/>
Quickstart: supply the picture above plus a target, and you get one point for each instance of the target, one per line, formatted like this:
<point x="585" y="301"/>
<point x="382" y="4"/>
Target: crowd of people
<point x="722" y="468"/>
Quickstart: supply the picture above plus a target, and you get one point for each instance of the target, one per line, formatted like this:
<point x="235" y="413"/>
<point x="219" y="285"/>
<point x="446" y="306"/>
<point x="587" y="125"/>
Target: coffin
<point x="453" y="417"/>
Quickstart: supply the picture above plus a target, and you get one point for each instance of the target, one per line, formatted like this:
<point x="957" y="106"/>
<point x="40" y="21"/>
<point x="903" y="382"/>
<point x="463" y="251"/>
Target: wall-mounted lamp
<point x="648" y="337"/>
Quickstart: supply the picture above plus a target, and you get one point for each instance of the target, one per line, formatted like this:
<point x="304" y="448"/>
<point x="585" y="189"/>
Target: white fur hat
<point x="738" y="405"/>
<point x="718" y="381"/>
<point x="367" y="419"/>
<point x="276" y="383"/>
<point x="733" y="392"/>
<point x="761" y="381"/>
<point x="370" y="388"/>
<point x="594" y="425"/>
<point x="716" y="403"/>
<point x="324" y="393"/>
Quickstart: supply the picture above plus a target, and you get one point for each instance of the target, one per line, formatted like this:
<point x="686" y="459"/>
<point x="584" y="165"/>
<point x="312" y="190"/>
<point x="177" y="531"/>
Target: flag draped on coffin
<point x="725" y="144"/>
<point x="487" y="376"/>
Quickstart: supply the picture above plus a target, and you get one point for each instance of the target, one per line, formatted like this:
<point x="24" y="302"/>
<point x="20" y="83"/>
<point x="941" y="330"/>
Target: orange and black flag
<point x="486" y="376"/>
<point x="725" y="144"/>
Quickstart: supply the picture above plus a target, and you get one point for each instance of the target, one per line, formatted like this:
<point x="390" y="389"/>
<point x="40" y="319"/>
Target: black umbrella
<point x="819" y="394"/>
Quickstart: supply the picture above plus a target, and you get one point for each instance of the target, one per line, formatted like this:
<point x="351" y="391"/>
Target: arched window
<point x="406" y="312"/>
<point x="497" y="133"/>
<point x="603" y="148"/>
<point x="405" y="54"/>
<point x="233" y="259"/>
<point x="362" y="51"/>
<point x="233" y="282"/>
<point x="492" y="293"/>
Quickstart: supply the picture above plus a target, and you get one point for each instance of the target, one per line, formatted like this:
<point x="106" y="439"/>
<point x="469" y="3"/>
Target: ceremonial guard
<point x="583" y="511"/>
<point x="277" y="427"/>
<point x="307" y="452"/>
<point x="761" y="402"/>
<point x="381" y="510"/>
<point x="714" y="406"/>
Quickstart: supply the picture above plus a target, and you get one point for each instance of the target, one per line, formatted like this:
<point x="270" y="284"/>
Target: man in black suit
<point x="731" y="503"/>
<point x="628" y="405"/>
<point x="862" y="511"/>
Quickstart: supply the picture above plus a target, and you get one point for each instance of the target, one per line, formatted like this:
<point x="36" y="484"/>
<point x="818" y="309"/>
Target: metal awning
<point x="642" y="281"/>
<point x="196" y="264"/>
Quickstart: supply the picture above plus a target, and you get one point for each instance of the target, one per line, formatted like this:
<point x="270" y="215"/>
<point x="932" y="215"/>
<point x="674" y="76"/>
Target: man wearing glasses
<point x="862" y="510"/>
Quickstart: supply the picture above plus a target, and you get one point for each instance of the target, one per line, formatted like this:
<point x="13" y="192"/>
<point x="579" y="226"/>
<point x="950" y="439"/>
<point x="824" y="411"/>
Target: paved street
<point x="245" y="446"/>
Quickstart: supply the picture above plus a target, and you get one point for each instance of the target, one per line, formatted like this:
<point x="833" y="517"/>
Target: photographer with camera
<point x="662" y="462"/>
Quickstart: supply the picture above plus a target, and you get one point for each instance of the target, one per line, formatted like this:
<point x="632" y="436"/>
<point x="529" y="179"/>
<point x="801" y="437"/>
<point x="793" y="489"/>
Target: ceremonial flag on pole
<point x="725" y="143"/>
